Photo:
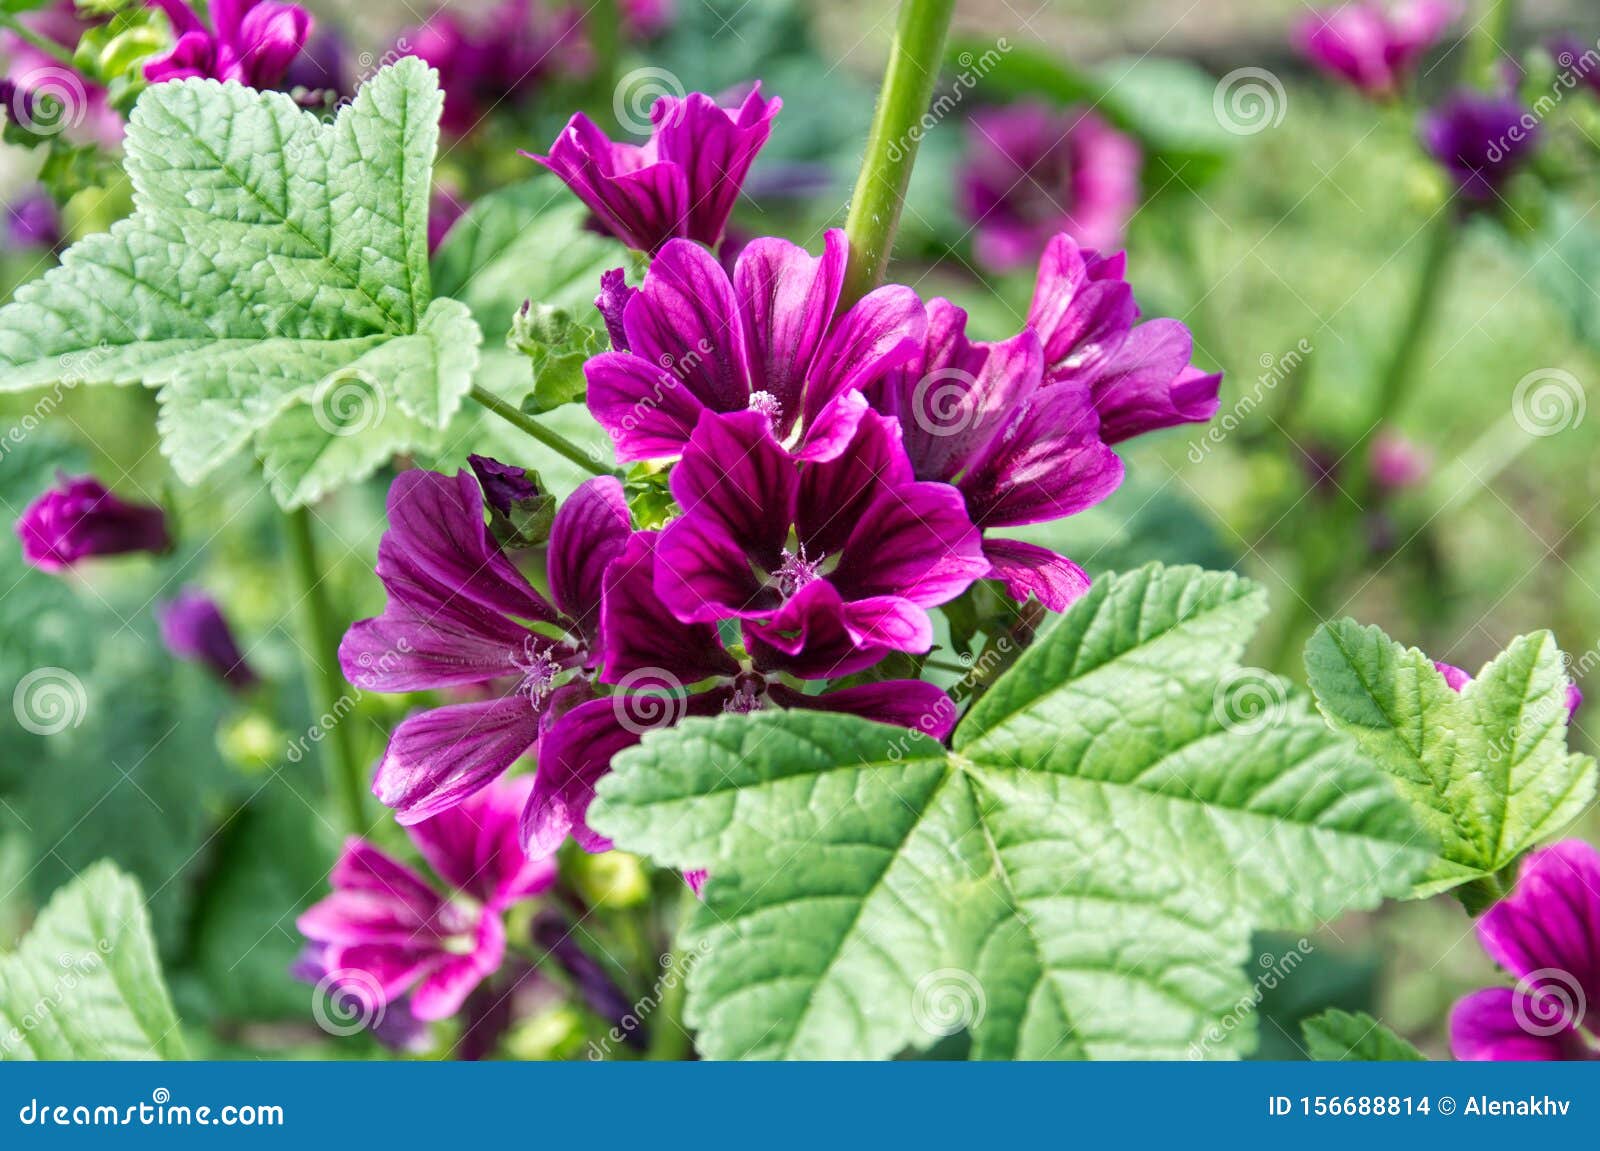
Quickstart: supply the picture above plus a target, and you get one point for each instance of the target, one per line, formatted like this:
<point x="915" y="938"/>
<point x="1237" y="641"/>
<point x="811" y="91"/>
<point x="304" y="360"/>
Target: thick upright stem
<point x="897" y="129"/>
<point x="324" y="681"/>
<point x="1488" y="41"/>
<point x="555" y="441"/>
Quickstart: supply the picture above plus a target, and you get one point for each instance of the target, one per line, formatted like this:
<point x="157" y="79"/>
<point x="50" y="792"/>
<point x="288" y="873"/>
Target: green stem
<point x="324" y="681"/>
<point x="43" y="43"/>
<point x="897" y="129"/>
<point x="604" y="26"/>
<point x="550" y="439"/>
<point x="1487" y="42"/>
<point x="1400" y="373"/>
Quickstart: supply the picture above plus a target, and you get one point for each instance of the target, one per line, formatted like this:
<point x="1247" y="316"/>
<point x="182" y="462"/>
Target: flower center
<point x="768" y="405"/>
<point x="539" y="670"/>
<point x="746" y="696"/>
<point x="796" y="570"/>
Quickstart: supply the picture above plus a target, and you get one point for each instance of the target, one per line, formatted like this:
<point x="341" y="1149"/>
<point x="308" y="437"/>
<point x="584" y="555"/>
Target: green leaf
<point x="1337" y="1036"/>
<point x="85" y="983"/>
<point x="1078" y="876"/>
<point x="269" y="258"/>
<point x="1486" y="770"/>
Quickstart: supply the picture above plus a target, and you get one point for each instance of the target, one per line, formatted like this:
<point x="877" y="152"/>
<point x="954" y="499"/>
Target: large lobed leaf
<point x="271" y="264"/>
<point x="1486" y="770"/>
<point x="1078" y="876"/>
<point x="85" y="983"/>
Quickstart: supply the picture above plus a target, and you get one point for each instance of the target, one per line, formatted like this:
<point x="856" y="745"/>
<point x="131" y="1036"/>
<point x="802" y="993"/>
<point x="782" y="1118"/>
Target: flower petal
<point x="881" y="331"/>
<point x="642" y="636"/>
<point x="786" y="301"/>
<point x="1031" y="570"/>
<point x="437" y="758"/>
<point x="590" y="530"/>
<point x="1547" y="931"/>
<point x="685" y="320"/>
<point x="1487" y="1025"/>
<point x="646" y="411"/>
<point x="911" y="703"/>
<point x="442" y="990"/>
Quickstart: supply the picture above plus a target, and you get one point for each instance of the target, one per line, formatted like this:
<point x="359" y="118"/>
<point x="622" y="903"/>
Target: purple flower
<point x="1481" y="140"/>
<point x="650" y="657"/>
<point x="682" y="182"/>
<point x="1397" y="462"/>
<point x="646" y="19"/>
<point x="500" y="60"/>
<point x="79" y="518"/>
<point x="1576" y="60"/>
<point x="1138" y="375"/>
<point x="830" y="563"/>
<point x="193" y="628"/>
<point x="445" y="207"/>
<point x="503" y="484"/>
<point x="251" y="41"/>
<point x="387" y="931"/>
<point x="979" y="416"/>
<point x="459" y="615"/>
<point x="1371" y="48"/>
<point x="693" y="340"/>
<point x="1458" y="680"/>
<point x="32" y="220"/>
<point x="1546" y="934"/>
<point x="1033" y="171"/>
<point x="319" y="76"/>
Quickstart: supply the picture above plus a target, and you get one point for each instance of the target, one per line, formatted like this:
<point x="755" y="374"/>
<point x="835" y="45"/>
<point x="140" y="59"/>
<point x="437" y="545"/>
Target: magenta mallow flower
<point x="194" y="628"/>
<point x="980" y="416"/>
<point x="388" y="932"/>
<point x="1033" y="171"/>
<point x="1138" y="375"/>
<point x="79" y="519"/>
<point x="1546" y="935"/>
<point x="680" y="183"/>
<point x="664" y="669"/>
<point x="251" y="41"/>
<point x="1458" y="679"/>
<point x="693" y="340"/>
<point x="1397" y="462"/>
<point x="460" y="615"/>
<point x="32" y="220"/>
<point x="1577" y="60"/>
<point x="1369" y="46"/>
<point x="1481" y="140"/>
<point x="497" y="61"/>
<point x="646" y="19"/>
<point x="830" y="564"/>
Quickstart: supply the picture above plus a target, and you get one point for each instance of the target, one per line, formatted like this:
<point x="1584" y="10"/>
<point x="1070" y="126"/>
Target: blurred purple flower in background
<point x="79" y="518"/>
<point x="319" y="76"/>
<point x="193" y="628"/>
<point x="1546" y="934"/>
<point x="1397" y="462"/>
<point x="680" y="183"/>
<point x="1033" y="171"/>
<point x="1576" y="60"/>
<point x="497" y="62"/>
<point x="32" y="220"/>
<point x="394" y="1025"/>
<point x="251" y="41"/>
<point x="1369" y="46"/>
<point x="1481" y="139"/>
<point x="445" y="206"/>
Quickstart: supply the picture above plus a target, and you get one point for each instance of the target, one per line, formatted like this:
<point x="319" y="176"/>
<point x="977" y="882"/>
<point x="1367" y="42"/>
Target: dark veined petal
<point x="437" y="758"/>
<point x="1028" y="569"/>
<point x="590" y="530"/>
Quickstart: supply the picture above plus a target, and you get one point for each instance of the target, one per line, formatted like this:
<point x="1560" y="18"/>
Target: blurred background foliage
<point x="1304" y="235"/>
